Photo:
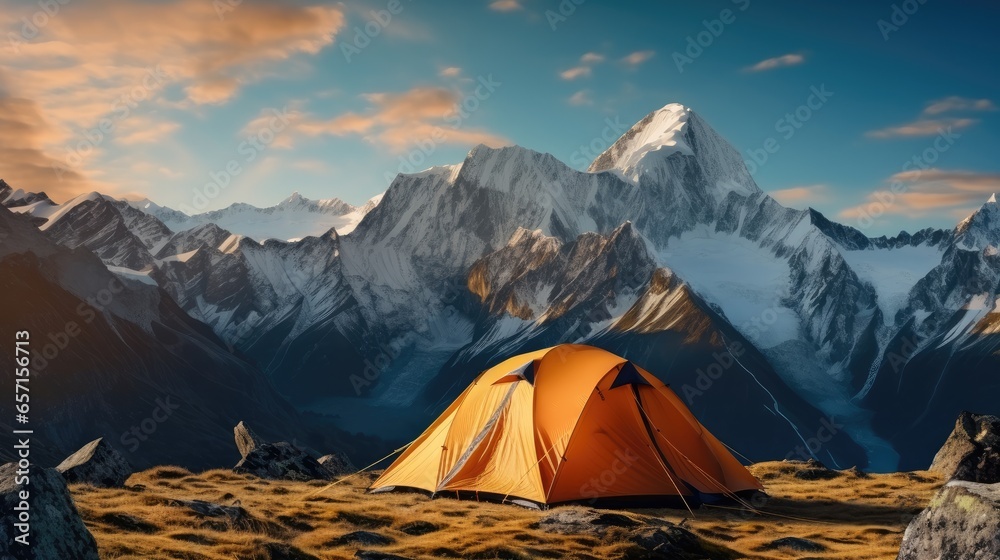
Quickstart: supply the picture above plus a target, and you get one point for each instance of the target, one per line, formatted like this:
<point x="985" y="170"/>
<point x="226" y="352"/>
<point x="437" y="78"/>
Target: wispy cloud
<point x="24" y="163"/>
<point x="576" y="72"/>
<point x="919" y="193"/>
<point x="396" y="121"/>
<point x="932" y="120"/>
<point x="584" y="69"/>
<point x="311" y="165"/>
<point x="638" y="57"/>
<point x="581" y="98"/>
<point x="450" y="72"/>
<point x="921" y="127"/>
<point x="506" y="5"/>
<point x="92" y="58"/>
<point x="144" y="130"/>
<point x="957" y="103"/>
<point x="792" y="59"/>
<point x="801" y="195"/>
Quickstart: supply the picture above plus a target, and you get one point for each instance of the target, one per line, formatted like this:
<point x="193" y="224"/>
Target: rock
<point x="855" y="472"/>
<point x="648" y="538"/>
<point x="794" y="543"/>
<point x="816" y="474"/>
<point x="57" y="531"/>
<point x="962" y="521"/>
<point x="363" y="537"/>
<point x="373" y="555"/>
<point x="338" y="464"/>
<point x="98" y="464"/>
<point x="246" y="439"/>
<point x="279" y="551"/>
<point x="972" y="451"/>
<point x="417" y="528"/>
<point x="281" y="461"/>
<point x="225" y="518"/>
<point x="667" y="543"/>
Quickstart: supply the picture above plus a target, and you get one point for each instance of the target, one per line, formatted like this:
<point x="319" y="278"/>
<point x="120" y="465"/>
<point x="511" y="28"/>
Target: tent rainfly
<point x="571" y="423"/>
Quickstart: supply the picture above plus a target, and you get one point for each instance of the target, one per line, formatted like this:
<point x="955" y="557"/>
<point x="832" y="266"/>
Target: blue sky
<point x="353" y="103"/>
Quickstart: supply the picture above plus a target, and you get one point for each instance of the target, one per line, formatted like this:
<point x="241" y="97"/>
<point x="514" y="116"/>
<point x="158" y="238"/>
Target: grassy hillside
<point x="849" y="515"/>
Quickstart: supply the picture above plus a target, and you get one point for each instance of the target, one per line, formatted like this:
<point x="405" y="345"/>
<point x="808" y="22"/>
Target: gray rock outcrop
<point x="56" y="530"/>
<point x="961" y="522"/>
<point x="280" y="461"/>
<point x="972" y="451"/>
<point x="246" y="439"/>
<point x="338" y="464"/>
<point x="98" y="464"/>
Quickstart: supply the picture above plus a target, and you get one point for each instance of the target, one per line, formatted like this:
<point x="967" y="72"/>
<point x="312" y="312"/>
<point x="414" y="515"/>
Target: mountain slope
<point x="109" y="356"/>
<point x="664" y="250"/>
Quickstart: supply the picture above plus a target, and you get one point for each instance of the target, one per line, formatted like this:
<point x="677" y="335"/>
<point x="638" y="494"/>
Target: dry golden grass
<point x="853" y="517"/>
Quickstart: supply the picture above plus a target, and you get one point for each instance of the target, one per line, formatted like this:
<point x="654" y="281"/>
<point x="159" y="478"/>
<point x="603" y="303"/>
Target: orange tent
<point x="570" y="423"/>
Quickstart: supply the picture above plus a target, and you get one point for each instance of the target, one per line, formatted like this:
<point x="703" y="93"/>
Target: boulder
<point x="375" y="555"/>
<point x="57" y="532"/>
<point x="972" y="451"/>
<point x="419" y="527"/>
<point x="648" y="538"/>
<point x="98" y="464"/>
<point x="220" y="517"/>
<point x="338" y="464"/>
<point x="794" y="543"/>
<point x="282" y="461"/>
<point x="246" y="439"/>
<point x="277" y="551"/>
<point x="962" y="521"/>
<point x="364" y="537"/>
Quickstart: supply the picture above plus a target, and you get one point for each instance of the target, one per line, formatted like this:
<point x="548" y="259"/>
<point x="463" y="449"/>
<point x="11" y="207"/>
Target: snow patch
<point x="893" y="273"/>
<point x="747" y="282"/>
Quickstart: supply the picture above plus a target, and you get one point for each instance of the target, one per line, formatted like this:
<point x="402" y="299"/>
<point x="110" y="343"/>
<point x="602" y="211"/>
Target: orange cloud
<point x="575" y="72"/>
<point x="919" y="193"/>
<point x="144" y="130"/>
<point x="505" y="5"/>
<point x="396" y="121"/>
<point x="116" y="59"/>
<point x="638" y="57"/>
<point x="797" y="196"/>
<point x="23" y="161"/>
<point x="919" y="128"/>
<point x="957" y="103"/>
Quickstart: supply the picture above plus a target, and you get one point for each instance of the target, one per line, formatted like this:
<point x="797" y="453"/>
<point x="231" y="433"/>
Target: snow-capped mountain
<point x="762" y="317"/>
<point x="293" y="218"/>
<point x="109" y="355"/>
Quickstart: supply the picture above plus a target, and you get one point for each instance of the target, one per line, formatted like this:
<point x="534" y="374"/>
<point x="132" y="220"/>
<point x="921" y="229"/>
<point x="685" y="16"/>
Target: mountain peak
<point x="662" y="131"/>
<point x="666" y="144"/>
<point x="982" y="227"/>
